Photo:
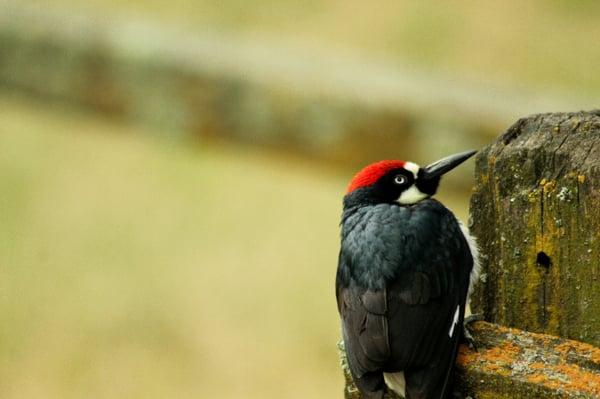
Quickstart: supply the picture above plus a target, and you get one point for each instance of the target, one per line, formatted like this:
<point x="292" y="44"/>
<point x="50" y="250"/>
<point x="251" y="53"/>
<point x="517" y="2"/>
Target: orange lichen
<point x="508" y="357"/>
<point x="581" y="349"/>
<point x="496" y="360"/>
<point x="537" y="378"/>
<point x="542" y="379"/>
<point x="492" y="367"/>
<point x="466" y="356"/>
<point x="537" y="366"/>
<point x="504" y="353"/>
<point x="569" y="376"/>
<point x="579" y="379"/>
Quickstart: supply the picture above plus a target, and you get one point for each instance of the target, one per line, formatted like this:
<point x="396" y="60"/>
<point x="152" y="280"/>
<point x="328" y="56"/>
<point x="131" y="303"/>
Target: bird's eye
<point x="400" y="179"/>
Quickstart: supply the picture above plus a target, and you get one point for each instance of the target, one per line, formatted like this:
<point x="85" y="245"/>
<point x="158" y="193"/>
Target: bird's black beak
<point x="444" y="165"/>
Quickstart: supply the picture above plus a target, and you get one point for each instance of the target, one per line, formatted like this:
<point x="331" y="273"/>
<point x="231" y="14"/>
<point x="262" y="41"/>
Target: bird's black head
<point x="398" y="181"/>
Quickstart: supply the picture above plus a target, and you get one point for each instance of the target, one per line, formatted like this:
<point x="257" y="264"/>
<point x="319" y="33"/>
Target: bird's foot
<point x="473" y="317"/>
<point x="467" y="333"/>
<point x="459" y="395"/>
<point x="456" y="394"/>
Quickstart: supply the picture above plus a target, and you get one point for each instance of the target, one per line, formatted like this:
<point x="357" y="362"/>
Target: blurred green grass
<point x="133" y="268"/>
<point x="537" y="44"/>
<point x="138" y="267"/>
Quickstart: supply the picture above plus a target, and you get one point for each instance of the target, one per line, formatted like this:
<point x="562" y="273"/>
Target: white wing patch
<point x="454" y="321"/>
<point x="475" y="255"/>
<point x="396" y="382"/>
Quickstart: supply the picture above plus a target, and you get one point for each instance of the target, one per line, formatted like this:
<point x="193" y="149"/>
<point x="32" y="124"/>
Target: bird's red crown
<point x="371" y="173"/>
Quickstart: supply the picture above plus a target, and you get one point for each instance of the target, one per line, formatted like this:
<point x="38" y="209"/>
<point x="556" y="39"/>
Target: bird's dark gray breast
<point x="381" y="242"/>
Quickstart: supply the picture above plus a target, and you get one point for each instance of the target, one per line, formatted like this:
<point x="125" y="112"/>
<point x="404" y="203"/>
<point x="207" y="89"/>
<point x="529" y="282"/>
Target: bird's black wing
<point x="403" y="276"/>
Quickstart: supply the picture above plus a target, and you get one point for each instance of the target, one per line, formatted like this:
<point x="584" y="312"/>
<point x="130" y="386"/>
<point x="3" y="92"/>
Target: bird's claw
<point x="467" y="334"/>
<point x="473" y="317"/>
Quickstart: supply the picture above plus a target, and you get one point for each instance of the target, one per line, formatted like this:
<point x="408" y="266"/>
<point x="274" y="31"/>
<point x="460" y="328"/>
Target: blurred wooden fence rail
<point x="339" y="109"/>
<point x="536" y="214"/>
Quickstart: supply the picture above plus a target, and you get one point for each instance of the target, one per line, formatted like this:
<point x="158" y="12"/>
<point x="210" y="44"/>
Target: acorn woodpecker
<point x="405" y="271"/>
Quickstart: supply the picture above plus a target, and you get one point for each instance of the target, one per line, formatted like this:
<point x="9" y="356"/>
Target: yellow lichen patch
<point x="552" y="322"/>
<point x="543" y="182"/>
<point x="484" y="178"/>
<point x="581" y="179"/>
<point x="549" y="186"/>
<point x="529" y="279"/>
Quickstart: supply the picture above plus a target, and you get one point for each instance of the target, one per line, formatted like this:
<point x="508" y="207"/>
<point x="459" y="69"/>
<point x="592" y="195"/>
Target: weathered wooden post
<point x="536" y="214"/>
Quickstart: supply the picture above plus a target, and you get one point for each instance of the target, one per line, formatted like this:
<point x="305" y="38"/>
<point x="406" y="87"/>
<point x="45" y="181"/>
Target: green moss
<point x="535" y="196"/>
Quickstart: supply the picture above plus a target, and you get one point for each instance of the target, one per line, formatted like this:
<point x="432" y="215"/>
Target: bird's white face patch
<point x="411" y="196"/>
<point x="412" y="167"/>
<point x="475" y="272"/>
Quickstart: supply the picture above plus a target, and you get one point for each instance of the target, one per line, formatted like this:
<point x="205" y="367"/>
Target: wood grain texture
<point x="536" y="214"/>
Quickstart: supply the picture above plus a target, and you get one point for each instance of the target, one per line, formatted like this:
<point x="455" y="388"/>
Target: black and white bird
<point x="405" y="272"/>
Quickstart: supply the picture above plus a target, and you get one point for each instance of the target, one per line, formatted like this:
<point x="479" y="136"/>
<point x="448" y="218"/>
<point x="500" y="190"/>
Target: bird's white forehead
<point x="412" y="167"/>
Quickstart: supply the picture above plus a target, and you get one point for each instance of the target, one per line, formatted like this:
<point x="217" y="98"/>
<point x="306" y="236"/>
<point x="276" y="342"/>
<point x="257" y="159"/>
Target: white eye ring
<point x="399" y="179"/>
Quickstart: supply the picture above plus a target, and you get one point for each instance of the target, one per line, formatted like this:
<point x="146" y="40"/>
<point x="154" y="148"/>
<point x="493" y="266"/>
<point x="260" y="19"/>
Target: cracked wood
<point x="537" y="195"/>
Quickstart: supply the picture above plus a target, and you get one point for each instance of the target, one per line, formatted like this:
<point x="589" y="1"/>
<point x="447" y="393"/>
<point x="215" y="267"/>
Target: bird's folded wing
<point x="365" y="328"/>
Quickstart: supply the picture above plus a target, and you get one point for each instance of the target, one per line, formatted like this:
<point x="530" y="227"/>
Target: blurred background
<point x="171" y="172"/>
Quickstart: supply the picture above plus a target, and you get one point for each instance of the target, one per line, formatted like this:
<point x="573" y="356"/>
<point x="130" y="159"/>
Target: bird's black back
<point x="402" y="273"/>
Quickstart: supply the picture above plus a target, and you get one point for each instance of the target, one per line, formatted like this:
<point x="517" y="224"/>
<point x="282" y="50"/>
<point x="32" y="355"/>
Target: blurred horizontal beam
<point x="368" y="82"/>
<point x="340" y="108"/>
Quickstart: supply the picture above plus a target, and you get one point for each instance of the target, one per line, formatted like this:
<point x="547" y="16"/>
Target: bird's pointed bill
<point x="444" y="165"/>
